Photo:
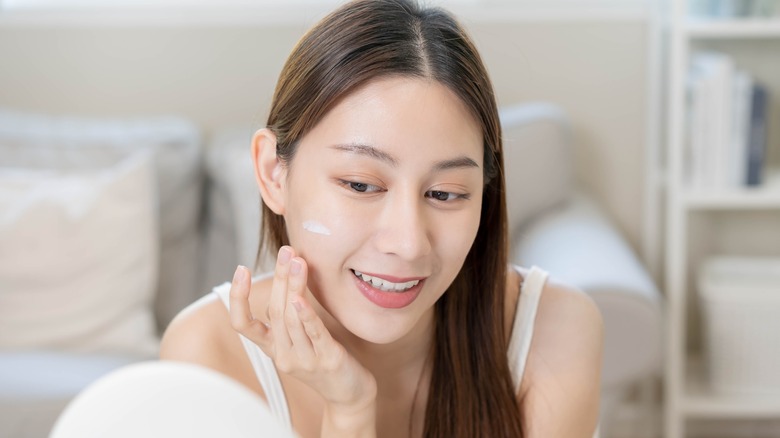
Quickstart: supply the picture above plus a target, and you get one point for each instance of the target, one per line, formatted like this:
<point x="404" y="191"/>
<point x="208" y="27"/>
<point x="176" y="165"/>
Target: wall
<point x="224" y="74"/>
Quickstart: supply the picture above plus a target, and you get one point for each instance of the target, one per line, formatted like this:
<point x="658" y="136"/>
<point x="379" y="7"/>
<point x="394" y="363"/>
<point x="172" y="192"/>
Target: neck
<point x="402" y="370"/>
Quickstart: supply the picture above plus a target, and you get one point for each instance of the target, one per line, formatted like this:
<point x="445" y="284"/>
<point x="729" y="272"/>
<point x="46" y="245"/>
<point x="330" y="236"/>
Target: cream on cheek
<point x="326" y="238"/>
<point x="323" y="233"/>
<point x="326" y="219"/>
<point x="316" y="227"/>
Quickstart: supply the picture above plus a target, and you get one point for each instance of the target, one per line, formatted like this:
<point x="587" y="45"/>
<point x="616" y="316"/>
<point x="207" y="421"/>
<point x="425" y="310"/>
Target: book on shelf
<point x="727" y="120"/>
<point x="757" y="136"/>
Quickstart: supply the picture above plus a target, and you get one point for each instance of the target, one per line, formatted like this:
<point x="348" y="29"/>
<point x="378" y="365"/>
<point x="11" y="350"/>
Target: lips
<point x="387" y="291"/>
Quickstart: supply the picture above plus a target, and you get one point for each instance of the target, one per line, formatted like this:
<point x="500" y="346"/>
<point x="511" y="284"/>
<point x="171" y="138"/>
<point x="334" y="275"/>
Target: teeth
<point x="386" y="285"/>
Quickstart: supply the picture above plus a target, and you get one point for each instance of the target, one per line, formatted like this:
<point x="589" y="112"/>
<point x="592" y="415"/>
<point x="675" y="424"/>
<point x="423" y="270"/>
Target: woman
<point x="392" y="310"/>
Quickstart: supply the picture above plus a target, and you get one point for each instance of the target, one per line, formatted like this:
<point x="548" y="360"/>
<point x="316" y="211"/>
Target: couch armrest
<point x="579" y="246"/>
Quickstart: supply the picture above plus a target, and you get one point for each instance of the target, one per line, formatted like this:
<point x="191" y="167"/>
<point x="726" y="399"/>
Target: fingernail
<point x="295" y="267"/>
<point x="240" y="274"/>
<point x="285" y="255"/>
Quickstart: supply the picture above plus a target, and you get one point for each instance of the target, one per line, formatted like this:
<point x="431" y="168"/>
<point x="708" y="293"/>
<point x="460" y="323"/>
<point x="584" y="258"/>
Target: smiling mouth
<point x="385" y="285"/>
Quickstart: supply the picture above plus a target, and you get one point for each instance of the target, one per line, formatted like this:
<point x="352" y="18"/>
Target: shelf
<point x="765" y="197"/>
<point x="700" y="401"/>
<point x="734" y="28"/>
<point x="711" y="220"/>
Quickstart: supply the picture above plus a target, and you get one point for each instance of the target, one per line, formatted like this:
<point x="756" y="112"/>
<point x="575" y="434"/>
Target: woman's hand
<point x="299" y="344"/>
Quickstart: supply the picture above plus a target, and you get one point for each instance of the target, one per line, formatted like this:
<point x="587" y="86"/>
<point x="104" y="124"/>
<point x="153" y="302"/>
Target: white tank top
<point x="517" y="353"/>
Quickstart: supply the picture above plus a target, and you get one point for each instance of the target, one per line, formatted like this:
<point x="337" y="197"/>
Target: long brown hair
<point x="471" y="392"/>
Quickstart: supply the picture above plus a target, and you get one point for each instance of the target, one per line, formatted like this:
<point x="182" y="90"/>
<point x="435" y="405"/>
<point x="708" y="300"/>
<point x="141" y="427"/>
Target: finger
<point x="296" y="287"/>
<point x="278" y="302"/>
<point x="322" y="342"/>
<point x="240" y="313"/>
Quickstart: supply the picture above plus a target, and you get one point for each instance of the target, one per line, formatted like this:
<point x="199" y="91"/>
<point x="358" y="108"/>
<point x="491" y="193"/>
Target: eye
<point x="445" y="196"/>
<point x="360" y="187"/>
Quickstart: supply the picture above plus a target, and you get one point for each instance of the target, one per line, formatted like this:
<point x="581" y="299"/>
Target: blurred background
<point x="125" y="191"/>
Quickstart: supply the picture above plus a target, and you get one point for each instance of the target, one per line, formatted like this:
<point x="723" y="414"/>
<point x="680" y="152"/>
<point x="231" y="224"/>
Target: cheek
<point x="466" y="232"/>
<point x="321" y="229"/>
<point x="457" y="236"/>
<point x="325" y="232"/>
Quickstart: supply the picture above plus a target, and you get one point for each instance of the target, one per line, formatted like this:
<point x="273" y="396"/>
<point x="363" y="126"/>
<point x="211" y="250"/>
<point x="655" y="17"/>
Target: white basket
<point x="740" y="299"/>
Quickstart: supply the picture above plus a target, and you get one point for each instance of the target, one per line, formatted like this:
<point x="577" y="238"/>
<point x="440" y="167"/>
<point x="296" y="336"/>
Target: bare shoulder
<point x="197" y="333"/>
<point x="202" y="334"/>
<point x="567" y="315"/>
<point x="560" y="390"/>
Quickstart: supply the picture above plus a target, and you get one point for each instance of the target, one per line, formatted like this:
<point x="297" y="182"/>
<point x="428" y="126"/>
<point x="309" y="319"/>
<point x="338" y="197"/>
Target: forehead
<point x="405" y="116"/>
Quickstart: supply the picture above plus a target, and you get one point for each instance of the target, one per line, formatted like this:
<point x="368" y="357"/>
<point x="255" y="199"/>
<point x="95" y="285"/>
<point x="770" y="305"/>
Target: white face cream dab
<point x="316" y="227"/>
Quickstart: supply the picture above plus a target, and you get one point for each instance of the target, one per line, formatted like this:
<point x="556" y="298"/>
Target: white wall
<point x="596" y="71"/>
<point x="224" y="74"/>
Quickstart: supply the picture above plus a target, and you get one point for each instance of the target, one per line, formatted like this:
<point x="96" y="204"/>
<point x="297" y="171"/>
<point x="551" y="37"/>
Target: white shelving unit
<point x="743" y="28"/>
<point x="687" y="396"/>
<point x="761" y="198"/>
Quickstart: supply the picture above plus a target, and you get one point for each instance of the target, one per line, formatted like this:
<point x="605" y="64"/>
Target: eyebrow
<point x="370" y="151"/>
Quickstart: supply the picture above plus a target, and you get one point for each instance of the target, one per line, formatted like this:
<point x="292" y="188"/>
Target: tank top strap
<point x="523" y="326"/>
<point x="264" y="367"/>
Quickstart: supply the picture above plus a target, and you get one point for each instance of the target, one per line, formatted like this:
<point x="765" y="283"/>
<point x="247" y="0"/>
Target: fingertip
<point x="285" y="254"/>
<point x="241" y="282"/>
<point x="296" y="266"/>
<point x="240" y="275"/>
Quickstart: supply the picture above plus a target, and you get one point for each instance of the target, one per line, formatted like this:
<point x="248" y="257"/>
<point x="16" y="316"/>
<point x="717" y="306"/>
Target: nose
<point x="403" y="228"/>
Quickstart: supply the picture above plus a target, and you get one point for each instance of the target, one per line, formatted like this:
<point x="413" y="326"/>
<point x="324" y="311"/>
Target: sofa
<point x="143" y="216"/>
<point x="560" y="227"/>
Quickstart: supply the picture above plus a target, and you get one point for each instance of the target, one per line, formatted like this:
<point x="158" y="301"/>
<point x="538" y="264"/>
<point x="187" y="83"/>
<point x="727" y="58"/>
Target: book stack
<point x="727" y="124"/>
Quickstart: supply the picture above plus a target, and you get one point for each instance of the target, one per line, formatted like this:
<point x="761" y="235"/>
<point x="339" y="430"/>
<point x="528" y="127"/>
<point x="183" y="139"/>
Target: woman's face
<point x="389" y="185"/>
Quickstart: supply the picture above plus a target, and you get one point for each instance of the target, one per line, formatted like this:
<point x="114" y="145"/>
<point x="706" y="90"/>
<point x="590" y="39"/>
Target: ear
<point x="269" y="171"/>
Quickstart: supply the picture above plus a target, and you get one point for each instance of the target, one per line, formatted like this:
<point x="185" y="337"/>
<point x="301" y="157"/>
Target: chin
<point x="377" y="331"/>
<point x="368" y="322"/>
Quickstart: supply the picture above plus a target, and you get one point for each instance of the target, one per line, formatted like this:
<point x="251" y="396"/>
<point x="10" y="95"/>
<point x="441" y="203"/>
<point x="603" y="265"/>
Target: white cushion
<point x="78" y="258"/>
<point x="28" y="138"/>
<point x="538" y="160"/>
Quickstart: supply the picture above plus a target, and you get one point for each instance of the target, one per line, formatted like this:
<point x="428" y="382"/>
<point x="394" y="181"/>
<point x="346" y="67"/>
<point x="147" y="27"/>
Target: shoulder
<point x="197" y="333"/>
<point x="560" y="390"/>
<point x="202" y="334"/>
<point x="568" y="328"/>
<point x="565" y="311"/>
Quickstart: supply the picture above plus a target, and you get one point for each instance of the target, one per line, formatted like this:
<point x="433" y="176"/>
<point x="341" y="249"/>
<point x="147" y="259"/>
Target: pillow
<point x="34" y="139"/>
<point x="78" y="257"/>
